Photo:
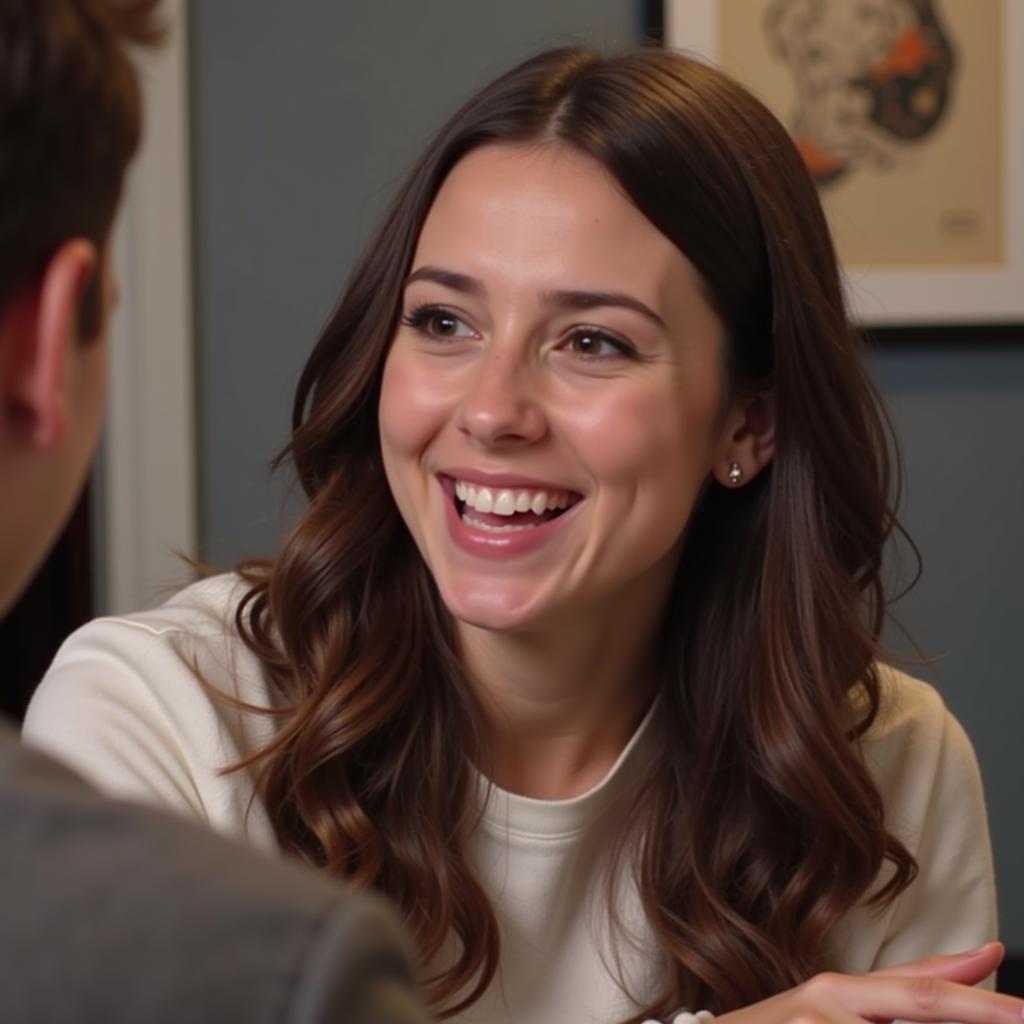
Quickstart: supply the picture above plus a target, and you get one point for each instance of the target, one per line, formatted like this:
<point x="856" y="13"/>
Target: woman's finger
<point x="788" y="1008"/>
<point x="966" y="968"/>
<point x="922" y="997"/>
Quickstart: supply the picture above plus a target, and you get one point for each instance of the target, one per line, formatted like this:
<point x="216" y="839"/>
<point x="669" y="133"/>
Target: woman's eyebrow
<point x="582" y="299"/>
<point x="449" y="278"/>
<point x="574" y="298"/>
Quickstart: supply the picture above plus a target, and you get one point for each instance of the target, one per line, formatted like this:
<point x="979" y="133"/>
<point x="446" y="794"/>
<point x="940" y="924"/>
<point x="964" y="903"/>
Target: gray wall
<point x="305" y="115"/>
<point x="959" y="415"/>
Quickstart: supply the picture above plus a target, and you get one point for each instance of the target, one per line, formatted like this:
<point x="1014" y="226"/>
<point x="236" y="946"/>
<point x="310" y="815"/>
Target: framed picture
<point x="910" y="116"/>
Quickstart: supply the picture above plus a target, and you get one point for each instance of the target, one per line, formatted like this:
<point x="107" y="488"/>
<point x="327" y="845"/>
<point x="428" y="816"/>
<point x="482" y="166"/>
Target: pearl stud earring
<point x="735" y="473"/>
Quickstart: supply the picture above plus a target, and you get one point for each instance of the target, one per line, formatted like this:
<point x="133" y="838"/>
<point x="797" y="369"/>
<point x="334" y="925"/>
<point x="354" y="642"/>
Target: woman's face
<point x="553" y="398"/>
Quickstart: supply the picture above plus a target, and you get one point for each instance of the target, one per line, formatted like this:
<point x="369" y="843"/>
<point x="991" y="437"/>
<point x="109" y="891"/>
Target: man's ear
<point x="748" y="439"/>
<point x="38" y="327"/>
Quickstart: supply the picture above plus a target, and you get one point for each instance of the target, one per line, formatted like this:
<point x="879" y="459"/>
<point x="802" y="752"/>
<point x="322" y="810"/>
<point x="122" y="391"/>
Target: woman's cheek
<point x="412" y="406"/>
<point x="629" y="437"/>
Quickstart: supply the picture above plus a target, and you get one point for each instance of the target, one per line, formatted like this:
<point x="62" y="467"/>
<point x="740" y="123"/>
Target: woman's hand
<point x="935" y="989"/>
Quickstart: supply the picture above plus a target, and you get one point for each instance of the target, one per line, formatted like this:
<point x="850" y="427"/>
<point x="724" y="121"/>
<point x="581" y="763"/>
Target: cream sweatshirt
<point x="121" y="704"/>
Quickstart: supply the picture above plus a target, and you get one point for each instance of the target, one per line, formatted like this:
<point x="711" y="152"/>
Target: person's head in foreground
<point x="70" y="119"/>
<point x="591" y="404"/>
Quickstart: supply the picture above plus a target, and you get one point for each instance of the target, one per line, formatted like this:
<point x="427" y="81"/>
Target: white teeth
<point x="509" y="528"/>
<point x="508" y="502"/>
<point x="484" y="500"/>
<point x="504" y="503"/>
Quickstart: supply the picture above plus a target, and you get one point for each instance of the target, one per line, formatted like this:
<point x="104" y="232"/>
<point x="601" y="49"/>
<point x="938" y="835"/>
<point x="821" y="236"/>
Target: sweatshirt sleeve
<point x="123" y="704"/>
<point x="951" y="905"/>
<point x="96" y="711"/>
<point x="928" y="774"/>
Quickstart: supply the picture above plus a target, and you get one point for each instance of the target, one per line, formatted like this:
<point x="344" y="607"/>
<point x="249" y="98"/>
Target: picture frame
<point x="977" y="301"/>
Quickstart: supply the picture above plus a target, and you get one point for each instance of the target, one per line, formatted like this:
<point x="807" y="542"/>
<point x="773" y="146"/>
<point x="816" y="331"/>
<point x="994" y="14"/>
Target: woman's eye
<point x="592" y="344"/>
<point x="436" y="322"/>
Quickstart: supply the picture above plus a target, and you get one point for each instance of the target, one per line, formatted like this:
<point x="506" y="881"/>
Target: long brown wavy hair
<point x="760" y="826"/>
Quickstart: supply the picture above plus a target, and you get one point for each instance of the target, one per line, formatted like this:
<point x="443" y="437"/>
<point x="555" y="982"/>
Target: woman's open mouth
<point x="507" y="509"/>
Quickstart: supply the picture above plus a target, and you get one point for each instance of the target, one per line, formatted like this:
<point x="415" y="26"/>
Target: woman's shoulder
<point x="178" y="655"/>
<point x="193" y="633"/>
<point x="909" y="710"/>
<point x="204" y="608"/>
<point x="152" y="704"/>
<point x="918" y="753"/>
<point x="906" y="704"/>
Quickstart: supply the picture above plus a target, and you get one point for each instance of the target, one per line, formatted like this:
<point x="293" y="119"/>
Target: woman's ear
<point x="748" y="439"/>
<point x="38" y="327"/>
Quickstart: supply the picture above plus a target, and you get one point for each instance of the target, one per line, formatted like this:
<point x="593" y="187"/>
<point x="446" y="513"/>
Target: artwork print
<point x="867" y="76"/>
<point x="896" y="107"/>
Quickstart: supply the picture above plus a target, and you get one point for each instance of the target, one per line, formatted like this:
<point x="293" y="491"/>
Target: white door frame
<point x="146" y="484"/>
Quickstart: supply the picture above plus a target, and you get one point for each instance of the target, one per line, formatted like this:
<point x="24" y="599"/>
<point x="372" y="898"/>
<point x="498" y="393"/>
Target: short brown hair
<point x="70" y="123"/>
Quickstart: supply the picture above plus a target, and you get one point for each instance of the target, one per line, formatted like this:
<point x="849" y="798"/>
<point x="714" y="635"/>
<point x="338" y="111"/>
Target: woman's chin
<point x="494" y="606"/>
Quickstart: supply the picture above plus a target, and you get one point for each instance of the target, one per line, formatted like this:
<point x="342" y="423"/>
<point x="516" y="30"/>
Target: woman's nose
<point x="501" y="404"/>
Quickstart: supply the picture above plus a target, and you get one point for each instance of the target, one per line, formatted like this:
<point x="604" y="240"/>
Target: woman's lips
<point x="504" y="522"/>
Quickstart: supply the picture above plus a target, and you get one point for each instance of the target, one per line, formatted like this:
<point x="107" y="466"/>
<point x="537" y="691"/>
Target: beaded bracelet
<point x="685" y="1017"/>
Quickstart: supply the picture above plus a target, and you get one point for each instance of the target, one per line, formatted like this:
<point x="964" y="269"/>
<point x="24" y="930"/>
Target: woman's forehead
<point x="537" y="210"/>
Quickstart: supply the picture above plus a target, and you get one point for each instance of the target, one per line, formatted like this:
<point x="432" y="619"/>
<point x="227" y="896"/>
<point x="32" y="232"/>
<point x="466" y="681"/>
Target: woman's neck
<point x="560" y="704"/>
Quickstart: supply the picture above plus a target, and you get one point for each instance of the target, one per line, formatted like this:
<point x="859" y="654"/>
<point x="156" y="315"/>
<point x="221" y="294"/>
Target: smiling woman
<point x="606" y="431"/>
<point x="575" y="652"/>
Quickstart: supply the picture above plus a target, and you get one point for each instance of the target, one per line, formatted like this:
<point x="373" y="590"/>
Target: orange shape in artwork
<point x="908" y="56"/>
<point x="819" y="163"/>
